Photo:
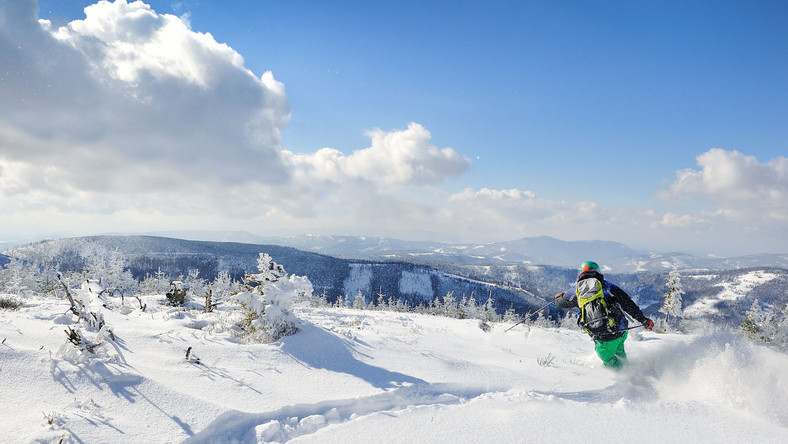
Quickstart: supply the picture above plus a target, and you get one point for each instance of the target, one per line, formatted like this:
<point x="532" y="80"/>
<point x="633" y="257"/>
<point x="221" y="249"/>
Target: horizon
<point x="656" y="126"/>
<point x="252" y="238"/>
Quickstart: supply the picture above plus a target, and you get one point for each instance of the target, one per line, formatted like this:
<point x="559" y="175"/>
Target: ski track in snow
<point x="286" y="423"/>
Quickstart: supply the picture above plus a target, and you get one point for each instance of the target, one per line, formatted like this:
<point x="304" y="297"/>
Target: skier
<point x="602" y="306"/>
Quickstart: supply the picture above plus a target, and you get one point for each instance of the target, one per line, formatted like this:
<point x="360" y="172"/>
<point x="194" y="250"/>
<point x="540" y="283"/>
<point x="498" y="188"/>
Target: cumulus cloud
<point x="131" y="112"/>
<point x="740" y="186"/>
<point x="394" y="158"/>
<point x="127" y="85"/>
<point x="132" y="42"/>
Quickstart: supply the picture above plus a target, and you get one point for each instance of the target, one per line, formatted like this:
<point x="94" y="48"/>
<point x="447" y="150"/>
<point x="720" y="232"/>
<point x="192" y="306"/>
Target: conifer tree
<point x="489" y="309"/>
<point x="222" y="287"/>
<point x="449" y="307"/>
<point x="673" y="297"/>
<point x="359" y="301"/>
<point x="755" y="327"/>
<point x="266" y="300"/>
<point x="381" y="303"/>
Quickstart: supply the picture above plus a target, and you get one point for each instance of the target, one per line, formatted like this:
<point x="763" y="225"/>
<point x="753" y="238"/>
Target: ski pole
<point x="630" y="328"/>
<point x="529" y="315"/>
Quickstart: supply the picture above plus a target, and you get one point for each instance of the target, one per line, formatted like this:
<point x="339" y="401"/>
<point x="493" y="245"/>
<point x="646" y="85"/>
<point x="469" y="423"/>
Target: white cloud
<point x="513" y="213"/>
<point x="132" y="41"/>
<point x="127" y="85"/>
<point x="130" y="112"/>
<point x="394" y="158"/>
<point x="512" y="195"/>
<point x="673" y="220"/>
<point x="739" y="186"/>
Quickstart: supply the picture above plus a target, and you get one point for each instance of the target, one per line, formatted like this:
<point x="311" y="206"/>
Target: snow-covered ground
<point x="730" y="292"/>
<point x="366" y="376"/>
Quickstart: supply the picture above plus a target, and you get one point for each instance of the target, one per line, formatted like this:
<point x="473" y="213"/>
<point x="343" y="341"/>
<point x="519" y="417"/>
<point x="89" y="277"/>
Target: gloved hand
<point x="559" y="295"/>
<point x="649" y="324"/>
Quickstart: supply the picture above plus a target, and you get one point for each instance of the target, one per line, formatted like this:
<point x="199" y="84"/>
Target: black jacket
<point x="613" y="294"/>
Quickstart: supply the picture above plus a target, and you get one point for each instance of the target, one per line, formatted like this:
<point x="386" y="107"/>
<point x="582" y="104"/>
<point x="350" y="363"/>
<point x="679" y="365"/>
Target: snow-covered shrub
<point x="266" y="301"/>
<point x="569" y="321"/>
<point x="10" y="302"/>
<point x="765" y="324"/>
<point x="87" y="338"/>
<point x="541" y="320"/>
<point x="176" y="295"/>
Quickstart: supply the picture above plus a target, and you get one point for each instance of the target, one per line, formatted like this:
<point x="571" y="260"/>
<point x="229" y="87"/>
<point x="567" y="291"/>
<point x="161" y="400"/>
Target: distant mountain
<point x="543" y="250"/>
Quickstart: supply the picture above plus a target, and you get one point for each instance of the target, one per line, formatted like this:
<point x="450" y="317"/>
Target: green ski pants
<point x="612" y="352"/>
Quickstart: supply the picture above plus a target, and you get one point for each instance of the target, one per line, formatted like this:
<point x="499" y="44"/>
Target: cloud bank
<point x="129" y="120"/>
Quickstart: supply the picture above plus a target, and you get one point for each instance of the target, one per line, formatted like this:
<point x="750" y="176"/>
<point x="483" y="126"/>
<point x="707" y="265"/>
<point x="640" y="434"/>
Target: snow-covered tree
<point x="380" y="302"/>
<point x="222" y="286"/>
<point x="47" y="280"/>
<point x="117" y="275"/>
<point x="781" y="329"/>
<point x="266" y="301"/>
<point x="490" y="314"/>
<point x="511" y="316"/>
<point x="569" y="321"/>
<point x="157" y="283"/>
<point x="470" y="308"/>
<point x="359" y="301"/>
<point x="109" y="268"/>
<point x="15" y="278"/>
<point x="757" y="325"/>
<point x="449" y="306"/>
<point x="341" y="302"/>
<point x="197" y="285"/>
<point x="673" y="297"/>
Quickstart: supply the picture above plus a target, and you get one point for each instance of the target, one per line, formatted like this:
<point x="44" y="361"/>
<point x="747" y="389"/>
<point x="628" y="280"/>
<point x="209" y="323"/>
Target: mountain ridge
<point x="539" y="250"/>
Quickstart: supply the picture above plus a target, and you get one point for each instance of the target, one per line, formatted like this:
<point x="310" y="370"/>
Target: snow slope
<point x="738" y="289"/>
<point x="365" y="376"/>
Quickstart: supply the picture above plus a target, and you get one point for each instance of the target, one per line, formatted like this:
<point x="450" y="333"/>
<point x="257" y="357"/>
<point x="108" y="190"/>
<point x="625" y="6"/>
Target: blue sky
<point x="657" y="124"/>
<point x="525" y="86"/>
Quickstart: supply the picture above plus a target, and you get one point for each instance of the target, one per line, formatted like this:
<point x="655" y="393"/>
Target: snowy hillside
<point x="729" y="291"/>
<point x="335" y="277"/>
<point x="522" y="287"/>
<point x="370" y="376"/>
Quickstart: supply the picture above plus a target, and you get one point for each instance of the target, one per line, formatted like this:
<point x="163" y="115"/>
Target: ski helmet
<point x="588" y="266"/>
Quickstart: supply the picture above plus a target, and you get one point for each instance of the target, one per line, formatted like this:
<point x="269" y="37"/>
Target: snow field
<point x="365" y="376"/>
